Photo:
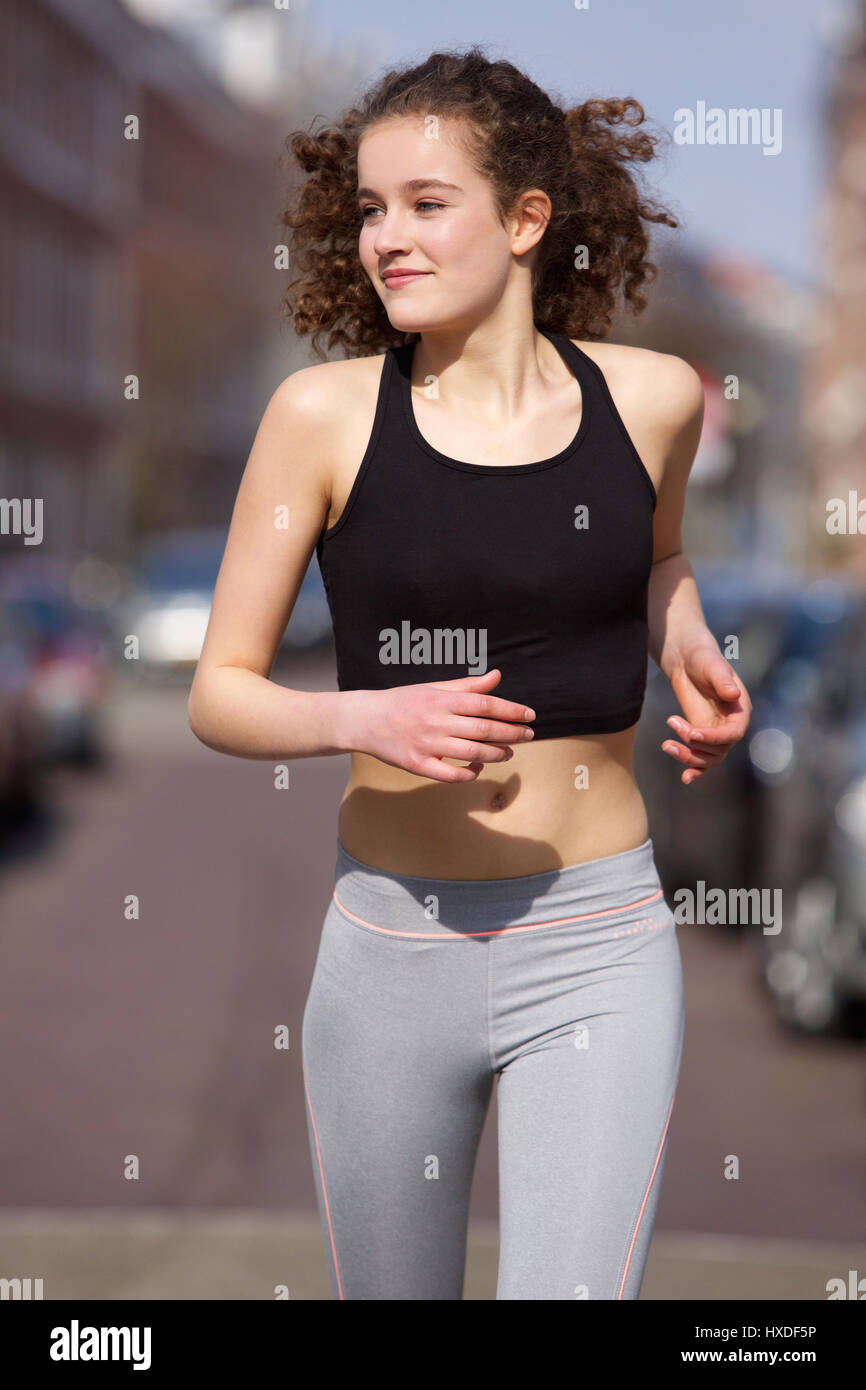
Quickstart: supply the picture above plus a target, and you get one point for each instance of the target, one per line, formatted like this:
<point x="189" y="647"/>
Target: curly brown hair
<point x="518" y="139"/>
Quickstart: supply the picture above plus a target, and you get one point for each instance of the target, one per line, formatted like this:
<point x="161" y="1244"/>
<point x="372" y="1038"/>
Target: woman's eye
<point x="423" y="204"/>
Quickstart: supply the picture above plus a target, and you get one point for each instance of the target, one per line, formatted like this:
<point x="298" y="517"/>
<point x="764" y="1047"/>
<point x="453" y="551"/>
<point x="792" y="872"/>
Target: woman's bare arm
<point x="281" y="506"/>
<point x="714" y="702"/>
<point x="676" y="619"/>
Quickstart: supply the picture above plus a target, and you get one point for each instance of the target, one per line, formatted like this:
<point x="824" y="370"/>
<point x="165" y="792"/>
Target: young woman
<point x="495" y="500"/>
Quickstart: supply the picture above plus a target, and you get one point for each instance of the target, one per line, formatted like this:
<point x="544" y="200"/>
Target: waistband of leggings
<point x="406" y="903"/>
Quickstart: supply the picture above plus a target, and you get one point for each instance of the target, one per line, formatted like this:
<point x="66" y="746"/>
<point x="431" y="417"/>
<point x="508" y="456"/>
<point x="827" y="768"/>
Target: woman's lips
<point x="394" y="281"/>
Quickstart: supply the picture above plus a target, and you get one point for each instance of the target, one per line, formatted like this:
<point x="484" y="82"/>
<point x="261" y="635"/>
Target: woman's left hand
<point x="716" y="707"/>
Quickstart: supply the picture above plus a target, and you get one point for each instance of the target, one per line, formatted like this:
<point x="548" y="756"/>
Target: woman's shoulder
<point x="326" y="411"/>
<point x="646" y="381"/>
<point x="325" y="384"/>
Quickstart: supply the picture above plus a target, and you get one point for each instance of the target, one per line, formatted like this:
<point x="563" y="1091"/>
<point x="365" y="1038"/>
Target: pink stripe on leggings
<point x="646" y="1194"/>
<point x="497" y="931"/>
<point x="322" y="1177"/>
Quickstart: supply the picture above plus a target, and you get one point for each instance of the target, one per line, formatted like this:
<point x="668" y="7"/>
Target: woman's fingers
<point x="438" y="771"/>
<point x="482" y="705"/>
<point x="470" y="751"/>
<point x="480" y="729"/>
<point x="696" y="755"/>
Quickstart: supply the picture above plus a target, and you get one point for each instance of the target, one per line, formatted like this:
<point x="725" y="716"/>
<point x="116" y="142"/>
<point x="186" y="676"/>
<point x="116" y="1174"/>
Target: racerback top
<point x="438" y="569"/>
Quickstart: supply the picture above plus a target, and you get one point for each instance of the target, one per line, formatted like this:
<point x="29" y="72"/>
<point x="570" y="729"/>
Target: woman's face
<point x="452" y="233"/>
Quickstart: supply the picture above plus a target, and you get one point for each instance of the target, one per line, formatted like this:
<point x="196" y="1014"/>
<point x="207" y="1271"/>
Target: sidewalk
<point x="247" y="1254"/>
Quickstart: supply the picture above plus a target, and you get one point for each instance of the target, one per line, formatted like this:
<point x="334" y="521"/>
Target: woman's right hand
<point x="415" y="726"/>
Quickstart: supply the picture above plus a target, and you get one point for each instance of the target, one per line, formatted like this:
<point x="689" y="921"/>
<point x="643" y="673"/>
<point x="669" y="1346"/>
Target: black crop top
<point x="437" y="568"/>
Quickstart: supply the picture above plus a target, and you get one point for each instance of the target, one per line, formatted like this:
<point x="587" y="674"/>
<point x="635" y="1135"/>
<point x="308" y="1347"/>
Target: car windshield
<point x="168" y="565"/>
<point x="778" y="630"/>
<point x="46" y="617"/>
<point x="806" y="636"/>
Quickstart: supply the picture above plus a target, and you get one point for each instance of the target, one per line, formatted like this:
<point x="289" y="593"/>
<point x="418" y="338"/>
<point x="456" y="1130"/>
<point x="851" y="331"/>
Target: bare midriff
<point x="557" y="802"/>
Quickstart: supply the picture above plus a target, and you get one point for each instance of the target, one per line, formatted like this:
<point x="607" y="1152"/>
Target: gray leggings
<point x="566" y="987"/>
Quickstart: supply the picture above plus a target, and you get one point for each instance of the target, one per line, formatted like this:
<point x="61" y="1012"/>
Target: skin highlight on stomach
<point x="555" y="803"/>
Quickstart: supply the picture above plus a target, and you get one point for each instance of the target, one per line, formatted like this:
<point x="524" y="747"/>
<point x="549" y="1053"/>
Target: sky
<point x="731" y="199"/>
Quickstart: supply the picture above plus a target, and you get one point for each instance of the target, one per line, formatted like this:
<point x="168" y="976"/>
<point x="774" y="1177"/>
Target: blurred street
<point x="154" y="1037"/>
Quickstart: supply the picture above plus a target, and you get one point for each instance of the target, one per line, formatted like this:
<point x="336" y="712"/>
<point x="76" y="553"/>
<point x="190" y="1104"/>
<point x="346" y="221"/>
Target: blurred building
<point x="743" y="328"/>
<point x="136" y="256"/>
<point x="770" y="465"/>
<point x="835" y="404"/>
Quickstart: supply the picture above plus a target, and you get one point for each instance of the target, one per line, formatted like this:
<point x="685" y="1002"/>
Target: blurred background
<point x="153" y="1140"/>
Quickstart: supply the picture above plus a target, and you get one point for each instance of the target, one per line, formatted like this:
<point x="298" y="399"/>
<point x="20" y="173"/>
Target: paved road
<point x="153" y="1036"/>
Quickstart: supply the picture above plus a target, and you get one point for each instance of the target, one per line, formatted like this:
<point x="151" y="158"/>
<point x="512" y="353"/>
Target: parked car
<point x="69" y="654"/>
<point x="174" y="574"/>
<point x="20" y="759"/>
<point x="813" y="766"/>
